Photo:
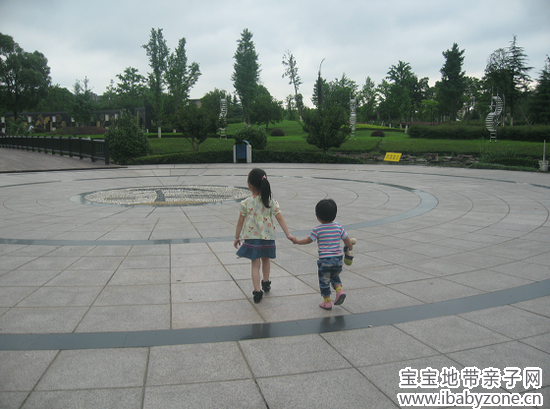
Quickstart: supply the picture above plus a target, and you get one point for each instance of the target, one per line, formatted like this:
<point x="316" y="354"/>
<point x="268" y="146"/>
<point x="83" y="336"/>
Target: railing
<point x="95" y="149"/>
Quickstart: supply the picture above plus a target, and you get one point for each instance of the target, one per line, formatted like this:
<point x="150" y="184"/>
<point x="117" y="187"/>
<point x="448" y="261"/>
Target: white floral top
<point x="258" y="221"/>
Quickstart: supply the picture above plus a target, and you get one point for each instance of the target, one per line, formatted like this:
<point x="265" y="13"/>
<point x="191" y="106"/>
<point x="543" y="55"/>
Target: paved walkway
<point x="15" y="160"/>
<point x="106" y="306"/>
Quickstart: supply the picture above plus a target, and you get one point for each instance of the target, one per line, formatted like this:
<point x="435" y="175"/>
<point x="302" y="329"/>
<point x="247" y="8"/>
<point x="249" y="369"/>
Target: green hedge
<point x="189" y="157"/>
<point x="259" y="156"/>
<point x="522" y="162"/>
<point x="267" y="156"/>
<point x="537" y="133"/>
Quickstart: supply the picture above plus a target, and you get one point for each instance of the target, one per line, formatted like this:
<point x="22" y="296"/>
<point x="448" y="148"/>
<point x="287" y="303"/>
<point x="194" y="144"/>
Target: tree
<point x="24" y="77"/>
<point x="212" y="102"/>
<point x="518" y="75"/>
<point x="471" y="95"/>
<point x="327" y="126"/>
<point x="420" y="90"/>
<point x="83" y="107"/>
<point x="506" y="71"/>
<point x="265" y="109"/>
<point x="126" y="139"/>
<point x="181" y="77"/>
<point x="290" y="107"/>
<point x="402" y="83"/>
<point x="158" y="52"/>
<point x="387" y="106"/>
<point x="130" y="89"/>
<point x="366" y="101"/>
<point x="108" y="100"/>
<point x="453" y="81"/>
<point x="338" y="92"/>
<point x="291" y="72"/>
<point x="58" y="99"/>
<point x="540" y="102"/>
<point x="428" y="106"/>
<point x="196" y="124"/>
<point x="247" y="72"/>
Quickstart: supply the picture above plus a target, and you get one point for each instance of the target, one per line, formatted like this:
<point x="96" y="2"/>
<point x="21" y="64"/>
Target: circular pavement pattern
<point x="165" y="195"/>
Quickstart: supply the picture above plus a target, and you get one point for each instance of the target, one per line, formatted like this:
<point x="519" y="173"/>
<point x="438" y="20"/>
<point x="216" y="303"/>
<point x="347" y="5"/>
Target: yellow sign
<point x="393" y="157"/>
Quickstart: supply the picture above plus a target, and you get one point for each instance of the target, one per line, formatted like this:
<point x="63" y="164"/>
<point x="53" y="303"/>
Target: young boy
<point x="328" y="235"/>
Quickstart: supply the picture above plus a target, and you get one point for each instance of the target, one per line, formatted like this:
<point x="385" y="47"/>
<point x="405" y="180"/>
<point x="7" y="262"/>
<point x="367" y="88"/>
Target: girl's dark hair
<point x="258" y="179"/>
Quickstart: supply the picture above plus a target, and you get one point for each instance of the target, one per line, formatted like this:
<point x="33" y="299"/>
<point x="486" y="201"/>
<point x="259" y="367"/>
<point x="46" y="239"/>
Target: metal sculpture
<point x="353" y="116"/>
<point x="493" y="119"/>
<point x="223" y="114"/>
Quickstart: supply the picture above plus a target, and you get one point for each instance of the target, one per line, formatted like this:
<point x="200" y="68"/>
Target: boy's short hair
<point x="326" y="210"/>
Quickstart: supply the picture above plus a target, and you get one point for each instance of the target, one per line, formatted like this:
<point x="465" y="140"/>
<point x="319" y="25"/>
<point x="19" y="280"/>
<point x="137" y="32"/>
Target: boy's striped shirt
<point x="328" y="238"/>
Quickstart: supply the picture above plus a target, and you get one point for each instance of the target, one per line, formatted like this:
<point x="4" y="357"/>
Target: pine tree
<point x="453" y="82"/>
<point x="247" y="72"/>
<point x="519" y="79"/>
<point x="158" y="52"/>
<point x="540" y="102"/>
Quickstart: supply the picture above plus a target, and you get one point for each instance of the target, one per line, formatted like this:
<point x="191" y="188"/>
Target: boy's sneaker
<point x="340" y="297"/>
<point x="258" y="296"/>
<point x="266" y="286"/>
<point x="326" y="305"/>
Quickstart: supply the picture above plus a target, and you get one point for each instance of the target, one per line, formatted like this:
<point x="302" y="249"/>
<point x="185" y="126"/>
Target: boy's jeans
<point x="329" y="270"/>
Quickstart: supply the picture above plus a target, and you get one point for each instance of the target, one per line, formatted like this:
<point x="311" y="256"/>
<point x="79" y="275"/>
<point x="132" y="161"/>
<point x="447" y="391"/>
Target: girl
<point x="256" y="216"/>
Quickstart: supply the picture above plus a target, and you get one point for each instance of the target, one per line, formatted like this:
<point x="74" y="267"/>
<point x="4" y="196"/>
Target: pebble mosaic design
<point x="167" y="195"/>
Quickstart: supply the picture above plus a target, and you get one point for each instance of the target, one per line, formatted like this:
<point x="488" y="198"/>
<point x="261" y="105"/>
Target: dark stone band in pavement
<point x="134" y="339"/>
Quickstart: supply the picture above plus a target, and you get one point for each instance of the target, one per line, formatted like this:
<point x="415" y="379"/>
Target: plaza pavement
<point x="106" y="306"/>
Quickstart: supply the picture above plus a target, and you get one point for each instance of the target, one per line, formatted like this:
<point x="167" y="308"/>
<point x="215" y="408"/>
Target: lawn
<point x="394" y="141"/>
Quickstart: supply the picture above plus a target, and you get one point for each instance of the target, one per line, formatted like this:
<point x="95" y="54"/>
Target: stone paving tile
<point x="219" y="313"/>
<point x="377" y="345"/>
<point x="487" y="280"/>
<point x="113" y="398"/>
<point x="376" y="299"/>
<point x="303" y="354"/>
<point x="448" y="334"/>
<point x="434" y="289"/>
<point x="184" y="364"/>
<point x="93" y="369"/>
<point x="125" y="318"/>
<point x="41" y="319"/>
<point x="386" y="376"/>
<point x="539" y="306"/>
<point x="21" y="370"/>
<point x="212" y="395"/>
<point x="61" y="297"/>
<point x="507" y="354"/>
<point x="512" y="322"/>
<point x="22" y="277"/>
<point x="347" y="386"/>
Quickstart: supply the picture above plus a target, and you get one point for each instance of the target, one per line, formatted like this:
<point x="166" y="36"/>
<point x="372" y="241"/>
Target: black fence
<point x="95" y="149"/>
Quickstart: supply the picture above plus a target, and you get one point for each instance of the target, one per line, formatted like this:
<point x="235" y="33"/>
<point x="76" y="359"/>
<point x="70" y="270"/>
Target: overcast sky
<point x="361" y="38"/>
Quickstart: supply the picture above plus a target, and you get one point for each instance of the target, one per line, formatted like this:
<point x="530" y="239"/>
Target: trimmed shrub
<point x="457" y="131"/>
<point x="188" y="157"/>
<point x="267" y="156"/>
<point x="277" y="132"/>
<point x="126" y="139"/>
<point x="255" y="135"/>
<point x="262" y="156"/>
<point x="378" y="133"/>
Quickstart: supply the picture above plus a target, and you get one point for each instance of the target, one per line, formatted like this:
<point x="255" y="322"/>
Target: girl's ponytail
<point x="258" y="178"/>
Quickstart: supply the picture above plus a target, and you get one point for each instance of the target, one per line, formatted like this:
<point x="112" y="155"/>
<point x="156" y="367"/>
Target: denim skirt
<point x="255" y="248"/>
